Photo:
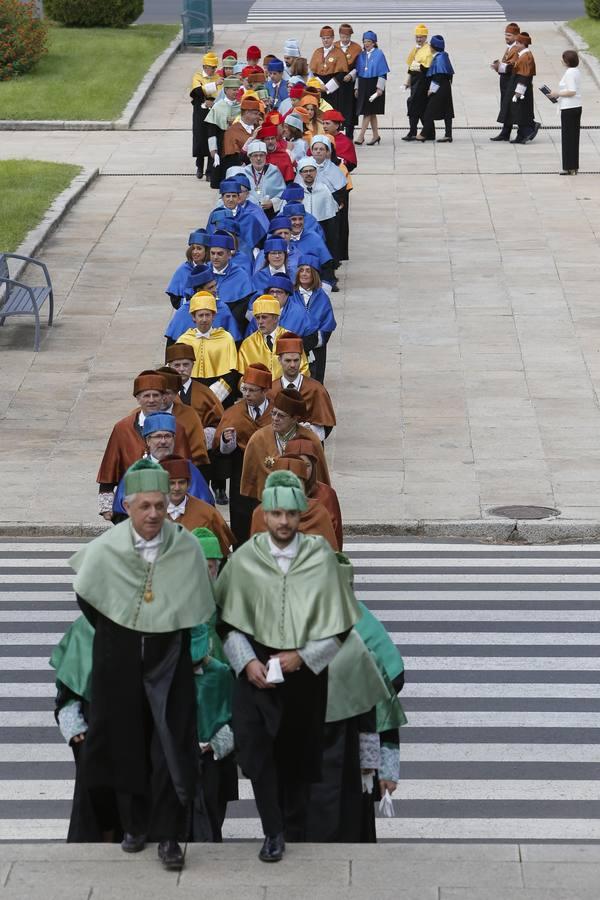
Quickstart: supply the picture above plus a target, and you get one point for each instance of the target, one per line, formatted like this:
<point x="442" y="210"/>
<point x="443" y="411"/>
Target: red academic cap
<point x="267" y="131"/>
<point x="253" y="53"/>
<point x="332" y="115"/>
<point x="297" y="91"/>
<point x="229" y="53"/>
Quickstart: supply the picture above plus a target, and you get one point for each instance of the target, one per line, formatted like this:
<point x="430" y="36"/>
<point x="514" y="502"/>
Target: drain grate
<point x="524" y="512"/>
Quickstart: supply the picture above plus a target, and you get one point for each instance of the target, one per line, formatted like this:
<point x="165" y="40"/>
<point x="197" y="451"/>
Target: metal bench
<point x="20" y="299"/>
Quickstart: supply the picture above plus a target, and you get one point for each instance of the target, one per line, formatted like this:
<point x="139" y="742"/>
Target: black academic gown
<point x="439" y="105"/>
<point x="199" y="129"/>
<point x="417" y="101"/>
<point x="141" y="742"/>
<point x="279" y="740"/>
<point x="338" y="811"/>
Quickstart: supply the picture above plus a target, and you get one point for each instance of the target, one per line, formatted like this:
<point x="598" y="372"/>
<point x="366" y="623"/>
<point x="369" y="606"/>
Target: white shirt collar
<point x="204" y="334"/>
<point x="148" y="550"/>
<point x="280" y="269"/>
<point x="261" y="406"/>
<point x="296" y="383"/>
<point x="175" y="511"/>
<point x="248" y="128"/>
<point x="141" y="418"/>
<point x="284" y="557"/>
<point x="186" y="385"/>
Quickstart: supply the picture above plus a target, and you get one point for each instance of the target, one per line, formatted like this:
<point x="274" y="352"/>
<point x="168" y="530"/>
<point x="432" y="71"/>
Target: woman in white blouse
<point x="569" y="98"/>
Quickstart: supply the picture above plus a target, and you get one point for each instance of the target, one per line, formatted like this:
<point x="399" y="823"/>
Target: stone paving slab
<point x="399" y="871"/>
<point x="465" y="368"/>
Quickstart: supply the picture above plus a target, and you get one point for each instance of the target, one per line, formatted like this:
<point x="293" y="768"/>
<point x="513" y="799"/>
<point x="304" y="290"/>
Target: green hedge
<point x="592" y="8"/>
<point x="23" y="38"/>
<point x="94" y="13"/>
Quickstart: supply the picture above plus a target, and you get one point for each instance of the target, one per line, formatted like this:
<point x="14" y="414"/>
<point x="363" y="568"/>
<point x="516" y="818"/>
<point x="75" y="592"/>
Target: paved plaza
<point x="465" y="367"/>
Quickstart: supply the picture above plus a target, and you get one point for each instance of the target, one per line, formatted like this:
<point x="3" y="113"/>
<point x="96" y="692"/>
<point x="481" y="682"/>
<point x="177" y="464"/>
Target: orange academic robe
<point x="199" y="514"/>
<point x="190" y="420"/>
<point x="205" y="402"/>
<point x="314" y="520"/>
<point x="237" y="417"/>
<point x="125" y="446"/>
<point x="262" y="451"/>
<point x="328" y="497"/>
<point x="319" y="407"/>
<point x="326" y="64"/>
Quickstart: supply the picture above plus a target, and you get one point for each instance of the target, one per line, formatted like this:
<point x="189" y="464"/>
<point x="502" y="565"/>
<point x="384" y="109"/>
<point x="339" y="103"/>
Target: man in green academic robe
<point x="285" y="609"/>
<point x="143" y="586"/>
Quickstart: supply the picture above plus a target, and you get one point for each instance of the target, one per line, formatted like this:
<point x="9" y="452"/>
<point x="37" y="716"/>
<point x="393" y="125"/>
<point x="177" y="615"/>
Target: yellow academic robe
<point x="215" y="355"/>
<point x="201" y="78"/>
<point x="419" y="56"/>
<point x="254" y="350"/>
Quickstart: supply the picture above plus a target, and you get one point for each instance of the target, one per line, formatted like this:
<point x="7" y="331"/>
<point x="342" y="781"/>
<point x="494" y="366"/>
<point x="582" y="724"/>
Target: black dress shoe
<point x="221" y="497"/>
<point x="500" y="137"/>
<point x="409" y="137"/>
<point x="272" y="849"/>
<point x="199" y="173"/>
<point x="133" y="843"/>
<point x="536" y="128"/>
<point x="518" y="141"/>
<point x="171" y="856"/>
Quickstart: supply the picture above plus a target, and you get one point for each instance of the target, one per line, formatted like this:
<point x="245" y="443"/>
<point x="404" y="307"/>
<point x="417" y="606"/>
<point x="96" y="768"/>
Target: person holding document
<point x="568" y="96"/>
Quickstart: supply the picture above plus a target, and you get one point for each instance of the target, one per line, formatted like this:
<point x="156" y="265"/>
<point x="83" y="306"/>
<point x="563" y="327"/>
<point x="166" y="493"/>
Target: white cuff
<point x="318" y="654"/>
<point x="220" y="389"/>
<point x="105" y="501"/>
<point x="209" y="436"/>
<point x="318" y="430"/>
<point x="229" y="447"/>
<point x="434" y="87"/>
<point x="331" y="85"/>
<point x="381" y="83"/>
<point x="502" y="68"/>
<point x="212" y="143"/>
<point x="238" y="651"/>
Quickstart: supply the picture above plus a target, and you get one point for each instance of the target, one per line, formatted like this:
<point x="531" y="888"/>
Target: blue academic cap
<point x="293" y="192"/>
<point x="279" y="280"/>
<point x="276" y="244"/>
<point x="275" y="65"/>
<point x="198" y="237"/>
<point x="280" y="222"/>
<point x="370" y="36"/>
<point x="229" y="186"/>
<point x="309" y="260"/>
<point x="200" y="275"/>
<point x="243" y="180"/>
<point x="437" y="42"/>
<point x="158" y="422"/>
<point x="222" y="239"/>
<point x="294" y="209"/>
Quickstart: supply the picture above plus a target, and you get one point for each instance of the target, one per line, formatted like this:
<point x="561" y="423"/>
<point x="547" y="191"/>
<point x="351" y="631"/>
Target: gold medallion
<point x="330" y="59"/>
<point x="148" y="596"/>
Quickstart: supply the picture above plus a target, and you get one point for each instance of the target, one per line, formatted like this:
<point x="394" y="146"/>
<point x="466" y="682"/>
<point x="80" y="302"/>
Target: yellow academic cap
<point x="421" y="31"/>
<point x="315" y="82"/>
<point x="266" y="303"/>
<point x="210" y="59"/>
<point x="203" y="300"/>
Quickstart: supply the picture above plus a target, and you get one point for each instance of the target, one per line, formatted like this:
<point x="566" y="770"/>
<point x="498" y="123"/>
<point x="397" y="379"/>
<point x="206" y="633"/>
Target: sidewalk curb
<point x="127" y="117"/>
<point x="485" y="531"/>
<point x="54" y="216"/>
<point x="574" y="38"/>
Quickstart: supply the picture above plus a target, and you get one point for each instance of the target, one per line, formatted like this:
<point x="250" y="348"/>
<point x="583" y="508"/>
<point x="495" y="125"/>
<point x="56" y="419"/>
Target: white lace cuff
<point x="105" y="501"/>
<point x="71" y="721"/>
<point x="238" y="651"/>
<point x="369" y="750"/>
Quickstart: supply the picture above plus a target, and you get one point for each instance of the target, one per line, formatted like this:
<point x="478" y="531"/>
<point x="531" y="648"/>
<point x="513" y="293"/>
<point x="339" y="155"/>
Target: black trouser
<point x="161" y="816"/>
<point x="570" y="126"/>
<point x="429" y="127"/>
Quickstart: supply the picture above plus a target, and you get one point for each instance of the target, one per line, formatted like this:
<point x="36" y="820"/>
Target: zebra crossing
<point x="501" y="647"/>
<point x="279" y="13"/>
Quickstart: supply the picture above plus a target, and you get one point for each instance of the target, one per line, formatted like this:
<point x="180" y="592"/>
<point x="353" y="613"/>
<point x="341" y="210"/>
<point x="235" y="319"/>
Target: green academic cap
<point x="209" y="543"/>
<point x="145" y="475"/>
<point x="283" y="490"/>
<point x="232" y="81"/>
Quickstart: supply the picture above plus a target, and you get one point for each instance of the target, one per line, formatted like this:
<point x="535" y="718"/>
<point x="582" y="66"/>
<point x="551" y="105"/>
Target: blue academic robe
<point x="261" y="279"/>
<point x="198" y="488"/>
<point x="311" y="244"/>
<point x="291" y="264"/>
<point x="373" y="66"/>
<point x="182" y="320"/>
<point x="277" y="92"/>
<point x="321" y="311"/>
<point x="294" y="317"/>
<point x="179" y="280"/>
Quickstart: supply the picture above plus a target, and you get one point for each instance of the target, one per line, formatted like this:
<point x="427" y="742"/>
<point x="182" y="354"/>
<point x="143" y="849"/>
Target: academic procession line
<point x="503" y="741"/>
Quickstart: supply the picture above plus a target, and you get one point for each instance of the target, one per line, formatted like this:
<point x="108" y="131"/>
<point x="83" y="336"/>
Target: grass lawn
<point x="27" y="188"/>
<point x="89" y="73"/>
<point x="589" y="29"/>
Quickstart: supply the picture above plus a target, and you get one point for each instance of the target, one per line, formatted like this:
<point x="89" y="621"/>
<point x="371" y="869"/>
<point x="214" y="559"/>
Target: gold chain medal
<point x="148" y="595"/>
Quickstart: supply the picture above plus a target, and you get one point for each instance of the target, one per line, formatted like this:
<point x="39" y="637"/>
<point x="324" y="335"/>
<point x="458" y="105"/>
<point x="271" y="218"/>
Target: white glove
<point x="217" y="159"/>
<point x="373" y="97"/>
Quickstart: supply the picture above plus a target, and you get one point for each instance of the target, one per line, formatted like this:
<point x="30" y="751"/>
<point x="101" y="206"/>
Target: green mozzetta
<point x="355" y="684"/>
<point x="214" y="693"/>
<point x="71" y="659"/>
<point x="313" y="601"/>
<point x="113" y="578"/>
<point x="377" y="639"/>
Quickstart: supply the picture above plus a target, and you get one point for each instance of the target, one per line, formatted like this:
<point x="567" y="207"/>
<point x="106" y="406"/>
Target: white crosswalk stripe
<point x="279" y="13"/>
<point x="502" y="651"/>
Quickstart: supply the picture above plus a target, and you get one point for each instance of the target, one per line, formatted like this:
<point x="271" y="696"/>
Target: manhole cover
<point x="525" y="512"/>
